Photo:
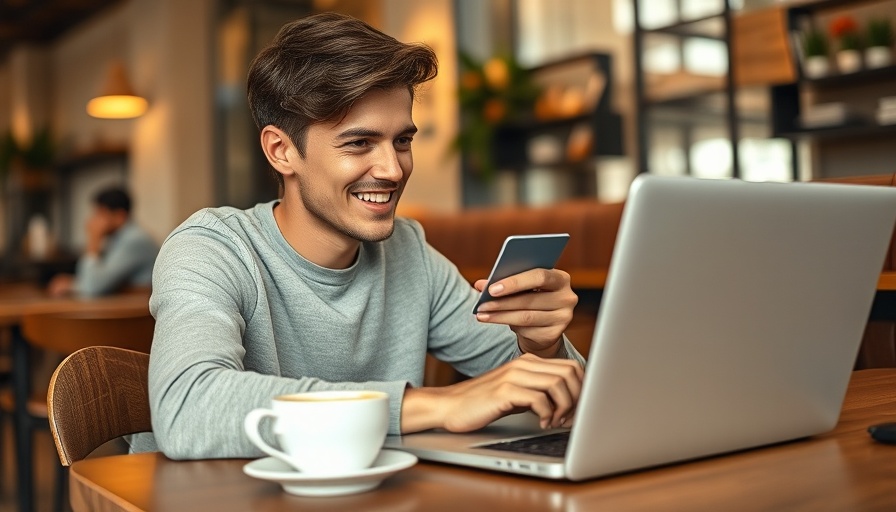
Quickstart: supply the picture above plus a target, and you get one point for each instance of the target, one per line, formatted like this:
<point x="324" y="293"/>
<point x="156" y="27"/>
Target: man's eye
<point x="361" y="143"/>
<point x="404" y="141"/>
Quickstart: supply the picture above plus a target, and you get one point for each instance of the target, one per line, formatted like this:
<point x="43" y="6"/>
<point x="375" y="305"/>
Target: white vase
<point x="816" y="66"/>
<point x="849" y="61"/>
<point x="878" y="56"/>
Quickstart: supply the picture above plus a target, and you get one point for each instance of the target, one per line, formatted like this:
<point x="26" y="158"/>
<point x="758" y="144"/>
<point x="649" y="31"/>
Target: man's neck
<point x="304" y="233"/>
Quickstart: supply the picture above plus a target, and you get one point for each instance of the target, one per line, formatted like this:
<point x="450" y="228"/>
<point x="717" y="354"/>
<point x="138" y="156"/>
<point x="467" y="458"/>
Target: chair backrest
<point x="66" y="332"/>
<point x="97" y="394"/>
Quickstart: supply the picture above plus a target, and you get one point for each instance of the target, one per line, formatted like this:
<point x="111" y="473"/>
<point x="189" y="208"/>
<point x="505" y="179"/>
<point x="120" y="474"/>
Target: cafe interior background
<point x="537" y="102"/>
<point x="664" y="109"/>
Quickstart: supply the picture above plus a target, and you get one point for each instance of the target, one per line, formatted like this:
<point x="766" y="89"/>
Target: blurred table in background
<point x="18" y="299"/>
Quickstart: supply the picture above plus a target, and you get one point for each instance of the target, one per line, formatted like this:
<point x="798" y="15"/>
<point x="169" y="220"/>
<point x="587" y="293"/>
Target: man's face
<point x="355" y="170"/>
<point x="103" y="221"/>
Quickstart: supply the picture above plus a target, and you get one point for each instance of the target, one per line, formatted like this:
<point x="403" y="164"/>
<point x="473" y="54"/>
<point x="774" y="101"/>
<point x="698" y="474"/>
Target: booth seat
<point x="472" y="238"/>
<point x="878" y="348"/>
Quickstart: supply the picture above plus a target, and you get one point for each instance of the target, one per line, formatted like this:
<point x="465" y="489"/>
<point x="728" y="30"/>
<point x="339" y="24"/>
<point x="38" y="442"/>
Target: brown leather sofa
<point x="472" y="239"/>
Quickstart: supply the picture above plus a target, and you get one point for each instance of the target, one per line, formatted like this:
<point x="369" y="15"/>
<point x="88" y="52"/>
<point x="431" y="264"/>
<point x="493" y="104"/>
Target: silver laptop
<point x="731" y="319"/>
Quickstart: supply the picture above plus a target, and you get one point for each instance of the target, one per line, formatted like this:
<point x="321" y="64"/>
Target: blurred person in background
<point x="119" y="253"/>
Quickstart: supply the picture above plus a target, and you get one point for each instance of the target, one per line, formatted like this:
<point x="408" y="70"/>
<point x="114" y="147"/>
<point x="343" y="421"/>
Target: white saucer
<point x="387" y="463"/>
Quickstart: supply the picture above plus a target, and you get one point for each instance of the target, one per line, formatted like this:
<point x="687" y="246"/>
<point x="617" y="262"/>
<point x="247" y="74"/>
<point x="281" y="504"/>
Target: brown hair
<point x="317" y="67"/>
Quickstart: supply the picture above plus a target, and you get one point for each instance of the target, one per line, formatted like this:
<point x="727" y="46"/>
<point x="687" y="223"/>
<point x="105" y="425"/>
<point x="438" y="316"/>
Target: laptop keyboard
<point x="550" y="445"/>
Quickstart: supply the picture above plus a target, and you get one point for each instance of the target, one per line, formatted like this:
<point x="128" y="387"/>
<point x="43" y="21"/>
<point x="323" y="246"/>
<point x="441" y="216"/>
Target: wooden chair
<point x="64" y="334"/>
<point x="96" y="395"/>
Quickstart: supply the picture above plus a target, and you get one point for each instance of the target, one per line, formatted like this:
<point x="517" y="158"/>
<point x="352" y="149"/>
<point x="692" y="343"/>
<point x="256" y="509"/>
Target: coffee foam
<point x="335" y="397"/>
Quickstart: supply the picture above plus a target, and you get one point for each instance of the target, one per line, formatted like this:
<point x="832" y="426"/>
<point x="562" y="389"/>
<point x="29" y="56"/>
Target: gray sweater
<point x="241" y="317"/>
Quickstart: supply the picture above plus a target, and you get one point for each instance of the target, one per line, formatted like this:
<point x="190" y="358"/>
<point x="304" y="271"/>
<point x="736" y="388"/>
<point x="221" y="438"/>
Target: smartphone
<point x="521" y="253"/>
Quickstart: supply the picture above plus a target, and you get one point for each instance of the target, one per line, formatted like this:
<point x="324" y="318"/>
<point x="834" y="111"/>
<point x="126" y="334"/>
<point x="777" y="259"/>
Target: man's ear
<point x="278" y="149"/>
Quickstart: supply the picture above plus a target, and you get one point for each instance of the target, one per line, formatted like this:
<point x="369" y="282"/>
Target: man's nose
<point x="388" y="166"/>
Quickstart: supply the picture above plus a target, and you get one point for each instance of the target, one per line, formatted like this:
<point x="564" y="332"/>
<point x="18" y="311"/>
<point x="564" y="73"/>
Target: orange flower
<point x="842" y="25"/>
<point x="496" y="73"/>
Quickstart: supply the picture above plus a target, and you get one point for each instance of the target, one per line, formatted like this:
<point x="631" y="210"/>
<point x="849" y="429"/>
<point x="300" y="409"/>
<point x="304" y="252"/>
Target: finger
<point x="569" y="420"/>
<point x="535" y="301"/>
<point x="560" y="365"/>
<point x="571" y="371"/>
<point x="537" y="278"/>
<point x="539" y="336"/>
<point x="527" y="318"/>
<point x="563" y="389"/>
<point x="539" y="300"/>
<point x="535" y="401"/>
<point x="480" y="284"/>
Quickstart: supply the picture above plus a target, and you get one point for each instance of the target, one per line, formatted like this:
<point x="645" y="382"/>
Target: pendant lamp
<point x="117" y="99"/>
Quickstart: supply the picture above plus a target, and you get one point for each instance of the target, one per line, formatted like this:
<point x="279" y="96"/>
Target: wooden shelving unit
<point x="604" y="126"/>
<point x="860" y="133"/>
<point x="684" y="90"/>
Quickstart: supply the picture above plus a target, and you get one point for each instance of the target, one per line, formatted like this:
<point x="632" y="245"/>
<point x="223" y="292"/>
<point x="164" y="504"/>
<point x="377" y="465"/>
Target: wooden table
<point x="19" y="299"/>
<point x="841" y="470"/>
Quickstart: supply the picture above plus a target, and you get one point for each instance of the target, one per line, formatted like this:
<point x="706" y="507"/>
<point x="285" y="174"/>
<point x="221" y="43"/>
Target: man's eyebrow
<point x="353" y="133"/>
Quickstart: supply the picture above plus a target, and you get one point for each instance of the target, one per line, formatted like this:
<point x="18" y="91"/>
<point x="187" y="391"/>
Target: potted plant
<point x="879" y="34"/>
<point x="491" y="93"/>
<point x="25" y="160"/>
<point x="815" y="53"/>
<point x="849" y="53"/>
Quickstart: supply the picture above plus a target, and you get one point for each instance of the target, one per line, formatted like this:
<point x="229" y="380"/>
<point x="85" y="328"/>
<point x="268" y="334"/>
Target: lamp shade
<point x="117" y="99"/>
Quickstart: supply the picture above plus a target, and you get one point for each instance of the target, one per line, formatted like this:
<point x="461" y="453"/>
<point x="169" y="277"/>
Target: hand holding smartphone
<point x="521" y="253"/>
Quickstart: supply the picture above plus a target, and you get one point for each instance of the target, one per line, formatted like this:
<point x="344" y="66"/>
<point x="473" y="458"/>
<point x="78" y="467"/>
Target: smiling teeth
<point x="374" y="197"/>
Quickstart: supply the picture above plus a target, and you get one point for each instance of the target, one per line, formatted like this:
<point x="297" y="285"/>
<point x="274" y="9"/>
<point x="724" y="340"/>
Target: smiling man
<point x="325" y="288"/>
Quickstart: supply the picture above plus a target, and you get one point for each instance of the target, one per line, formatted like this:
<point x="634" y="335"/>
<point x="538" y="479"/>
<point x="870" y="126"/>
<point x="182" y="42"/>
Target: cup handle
<point x="250" y="425"/>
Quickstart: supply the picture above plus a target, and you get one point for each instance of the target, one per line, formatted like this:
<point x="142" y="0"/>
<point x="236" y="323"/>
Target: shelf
<point x="681" y="88"/>
<point x="841" y="132"/>
<point x="532" y="125"/>
<point x="93" y="157"/>
<point x="691" y="116"/>
<point x="511" y="140"/>
<point x="859" y="77"/>
<point x="594" y="131"/>
<point x="810" y="6"/>
<point x="859" y="90"/>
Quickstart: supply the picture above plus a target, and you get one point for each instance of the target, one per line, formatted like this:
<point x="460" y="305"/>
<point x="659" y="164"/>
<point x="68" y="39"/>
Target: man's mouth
<point x="374" y="197"/>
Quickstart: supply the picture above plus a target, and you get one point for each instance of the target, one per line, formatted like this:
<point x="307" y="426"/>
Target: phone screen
<point x="524" y="252"/>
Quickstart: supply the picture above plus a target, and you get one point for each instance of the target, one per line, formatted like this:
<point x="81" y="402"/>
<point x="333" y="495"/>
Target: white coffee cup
<point x="325" y="432"/>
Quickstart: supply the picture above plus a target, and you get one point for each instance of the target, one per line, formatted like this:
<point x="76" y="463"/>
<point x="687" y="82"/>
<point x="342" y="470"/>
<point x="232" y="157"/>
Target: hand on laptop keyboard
<point x="549" y="387"/>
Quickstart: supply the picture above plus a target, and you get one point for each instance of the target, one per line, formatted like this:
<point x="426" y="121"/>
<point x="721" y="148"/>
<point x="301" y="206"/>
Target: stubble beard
<point x="326" y="216"/>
